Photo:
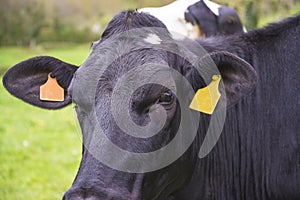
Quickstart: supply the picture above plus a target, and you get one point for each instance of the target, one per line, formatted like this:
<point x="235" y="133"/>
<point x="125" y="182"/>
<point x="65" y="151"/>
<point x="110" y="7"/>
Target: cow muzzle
<point x="92" y="193"/>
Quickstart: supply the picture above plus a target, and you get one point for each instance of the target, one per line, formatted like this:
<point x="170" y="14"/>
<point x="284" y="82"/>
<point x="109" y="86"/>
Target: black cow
<point x="258" y="153"/>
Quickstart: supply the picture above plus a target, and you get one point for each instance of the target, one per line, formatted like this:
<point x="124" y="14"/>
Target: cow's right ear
<point x="25" y="78"/>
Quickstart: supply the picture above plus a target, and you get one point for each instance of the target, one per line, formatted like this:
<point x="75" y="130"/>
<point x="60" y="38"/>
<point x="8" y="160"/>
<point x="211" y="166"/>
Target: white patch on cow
<point x="212" y="6"/>
<point x="172" y="15"/>
<point x="152" y="39"/>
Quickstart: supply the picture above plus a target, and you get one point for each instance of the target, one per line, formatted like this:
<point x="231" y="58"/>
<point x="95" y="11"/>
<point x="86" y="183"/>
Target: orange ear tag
<point x="51" y="90"/>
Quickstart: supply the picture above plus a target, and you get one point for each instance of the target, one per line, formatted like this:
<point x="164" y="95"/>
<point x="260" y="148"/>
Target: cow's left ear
<point x="229" y="21"/>
<point x="25" y="79"/>
<point x="238" y="76"/>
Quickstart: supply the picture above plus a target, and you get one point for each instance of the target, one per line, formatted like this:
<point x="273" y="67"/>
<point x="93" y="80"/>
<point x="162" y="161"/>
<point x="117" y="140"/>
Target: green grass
<point x="74" y="54"/>
<point x="40" y="150"/>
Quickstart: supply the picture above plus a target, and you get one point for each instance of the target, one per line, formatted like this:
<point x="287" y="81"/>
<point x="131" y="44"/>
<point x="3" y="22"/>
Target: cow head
<point x="140" y="138"/>
<point x="213" y="19"/>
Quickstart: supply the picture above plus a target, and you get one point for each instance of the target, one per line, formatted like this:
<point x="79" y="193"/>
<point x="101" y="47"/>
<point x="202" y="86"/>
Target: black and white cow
<point x="258" y="153"/>
<point x="194" y="18"/>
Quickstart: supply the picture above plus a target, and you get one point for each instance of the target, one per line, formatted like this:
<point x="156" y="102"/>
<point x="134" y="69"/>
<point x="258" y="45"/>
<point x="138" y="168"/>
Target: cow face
<point x="140" y="138"/>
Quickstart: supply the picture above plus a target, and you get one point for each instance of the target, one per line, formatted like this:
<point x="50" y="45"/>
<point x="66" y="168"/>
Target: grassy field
<point x="40" y="150"/>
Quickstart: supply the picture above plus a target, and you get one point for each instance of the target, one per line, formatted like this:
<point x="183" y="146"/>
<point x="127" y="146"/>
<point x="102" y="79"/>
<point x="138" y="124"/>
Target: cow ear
<point x="238" y="76"/>
<point x="229" y="21"/>
<point x="25" y="78"/>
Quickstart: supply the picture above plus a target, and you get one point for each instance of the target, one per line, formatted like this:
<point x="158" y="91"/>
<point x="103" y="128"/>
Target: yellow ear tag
<point x="206" y="99"/>
<point x="51" y="90"/>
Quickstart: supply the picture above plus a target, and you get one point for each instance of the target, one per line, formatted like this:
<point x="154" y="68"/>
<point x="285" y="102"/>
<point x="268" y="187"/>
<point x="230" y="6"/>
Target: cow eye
<point x="166" y="98"/>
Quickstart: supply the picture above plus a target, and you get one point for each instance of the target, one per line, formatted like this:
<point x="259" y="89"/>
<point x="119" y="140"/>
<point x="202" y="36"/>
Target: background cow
<point x="194" y="18"/>
<point x="257" y="155"/>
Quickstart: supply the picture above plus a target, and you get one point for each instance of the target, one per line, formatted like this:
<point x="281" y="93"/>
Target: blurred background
<point x="39" y="149"/>
<point x="31" y="22"/>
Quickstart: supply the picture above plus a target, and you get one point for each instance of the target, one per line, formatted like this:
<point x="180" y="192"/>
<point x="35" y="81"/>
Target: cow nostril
<point x="84" y="194"/>
<point x="79" y="193"/>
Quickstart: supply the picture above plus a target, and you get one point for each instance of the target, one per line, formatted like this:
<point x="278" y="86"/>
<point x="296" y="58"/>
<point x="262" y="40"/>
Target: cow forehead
<point x="144" y="65"/>
<point x="135" y="61"/>
<point x="125" y="51"/>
